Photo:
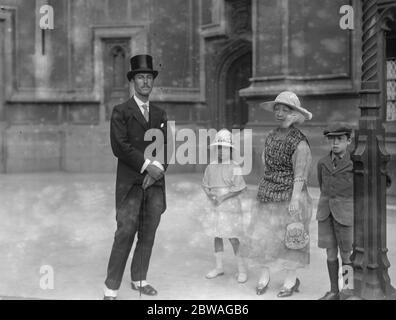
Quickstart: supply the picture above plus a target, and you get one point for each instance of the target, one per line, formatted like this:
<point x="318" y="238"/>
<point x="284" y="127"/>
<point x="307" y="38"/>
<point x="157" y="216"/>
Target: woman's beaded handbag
<point x="296" y="236"/>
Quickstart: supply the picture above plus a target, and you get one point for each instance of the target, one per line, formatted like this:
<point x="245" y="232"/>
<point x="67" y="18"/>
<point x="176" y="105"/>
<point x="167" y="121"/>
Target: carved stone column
<point x="371" y="279"/>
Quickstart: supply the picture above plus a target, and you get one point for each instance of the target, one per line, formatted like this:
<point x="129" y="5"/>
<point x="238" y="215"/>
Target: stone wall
<point x="56" y="89"/>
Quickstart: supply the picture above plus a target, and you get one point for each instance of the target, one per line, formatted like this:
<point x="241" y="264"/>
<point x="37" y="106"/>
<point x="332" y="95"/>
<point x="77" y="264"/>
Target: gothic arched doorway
<point x="2" y="92"/>
<point x="234" y="74"/>
<point x="236" y="108"/>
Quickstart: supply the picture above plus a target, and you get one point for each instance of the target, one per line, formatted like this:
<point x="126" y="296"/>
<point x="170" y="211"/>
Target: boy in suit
<point x="335" y="207"/>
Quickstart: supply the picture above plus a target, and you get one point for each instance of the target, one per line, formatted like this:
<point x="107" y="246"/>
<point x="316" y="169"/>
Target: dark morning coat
<point x="127" y="129"/>
<point x="336" y="190"/>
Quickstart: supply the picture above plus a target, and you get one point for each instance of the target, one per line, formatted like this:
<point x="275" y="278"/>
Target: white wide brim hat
<point x="289" y="99"/>
<point x="223" y="138"/>
<point x="224" y="144"/>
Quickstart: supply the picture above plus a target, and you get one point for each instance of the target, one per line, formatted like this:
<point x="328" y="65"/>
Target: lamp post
<point x="370" y="261"/>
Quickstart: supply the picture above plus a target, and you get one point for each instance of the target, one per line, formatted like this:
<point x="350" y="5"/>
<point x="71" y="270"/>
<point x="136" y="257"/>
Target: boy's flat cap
<point x="338" y="129"/>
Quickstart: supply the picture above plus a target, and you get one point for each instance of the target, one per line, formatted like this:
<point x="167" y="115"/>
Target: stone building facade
<point x="218" y="59"/>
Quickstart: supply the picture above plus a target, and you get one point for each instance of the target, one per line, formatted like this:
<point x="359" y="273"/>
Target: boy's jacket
<point x="336" y="186"/>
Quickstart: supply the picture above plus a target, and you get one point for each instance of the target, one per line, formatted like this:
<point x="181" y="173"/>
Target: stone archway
<point x="228" y="61"/>
<point x="233" y="73"/>
<point x="237" y="78"/>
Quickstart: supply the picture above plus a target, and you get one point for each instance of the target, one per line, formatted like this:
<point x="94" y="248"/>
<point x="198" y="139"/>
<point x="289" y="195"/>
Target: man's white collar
<point x="140" y="102"/>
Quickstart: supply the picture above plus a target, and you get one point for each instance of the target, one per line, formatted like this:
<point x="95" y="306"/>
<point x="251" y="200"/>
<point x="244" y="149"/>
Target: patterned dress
<point x="285" y="158"/>
<point x="225" y="220"/>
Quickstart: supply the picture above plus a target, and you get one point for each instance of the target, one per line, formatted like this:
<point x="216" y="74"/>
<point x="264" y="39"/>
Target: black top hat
<point x="142" y="63"/>
<point x="338" y="129"/>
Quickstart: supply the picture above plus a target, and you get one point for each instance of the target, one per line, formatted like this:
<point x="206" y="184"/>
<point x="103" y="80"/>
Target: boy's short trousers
<point x="332" y="234"/>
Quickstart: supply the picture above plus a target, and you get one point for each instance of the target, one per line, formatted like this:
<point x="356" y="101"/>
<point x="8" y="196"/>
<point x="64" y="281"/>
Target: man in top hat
<point x="335" y="207"/>
<point x="140" y="185"/>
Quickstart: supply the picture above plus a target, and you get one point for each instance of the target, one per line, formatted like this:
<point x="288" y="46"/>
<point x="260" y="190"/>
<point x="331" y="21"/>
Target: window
<point x="391" y="75"/>
<point x="391" y="89"/>
<point x="119" y="66"/>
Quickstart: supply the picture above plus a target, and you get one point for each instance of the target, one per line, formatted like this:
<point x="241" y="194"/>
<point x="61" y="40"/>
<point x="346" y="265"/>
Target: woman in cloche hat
<point x="282" y="198"/>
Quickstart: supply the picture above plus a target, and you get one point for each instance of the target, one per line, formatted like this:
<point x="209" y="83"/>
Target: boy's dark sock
<point x="333" y="268"/>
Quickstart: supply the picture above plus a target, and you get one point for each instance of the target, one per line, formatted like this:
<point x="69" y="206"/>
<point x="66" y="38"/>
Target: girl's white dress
<point x="225" y="220"/>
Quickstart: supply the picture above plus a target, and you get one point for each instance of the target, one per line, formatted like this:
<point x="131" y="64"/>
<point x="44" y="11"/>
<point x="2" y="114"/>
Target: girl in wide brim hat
<point x="223" y="219"/>
<point x="223" y="138"/>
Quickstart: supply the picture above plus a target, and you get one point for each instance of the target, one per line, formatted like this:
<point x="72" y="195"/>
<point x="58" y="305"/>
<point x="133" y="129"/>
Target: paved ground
<point x="68" y="222"/>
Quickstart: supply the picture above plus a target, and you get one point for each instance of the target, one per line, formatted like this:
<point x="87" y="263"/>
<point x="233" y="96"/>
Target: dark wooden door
<point x="116" y="65"/>
<point x="2" y="37"/>
<point x="238" y="75"/>
<point x="2" y="97"/>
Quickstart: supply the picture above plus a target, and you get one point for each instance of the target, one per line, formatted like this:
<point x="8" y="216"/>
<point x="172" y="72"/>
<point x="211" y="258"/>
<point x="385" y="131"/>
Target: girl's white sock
<point x="241" y="265"/>
<point x="219" y="260"/>
<point x="218" y="271"/>
<point x="242" y="271"/>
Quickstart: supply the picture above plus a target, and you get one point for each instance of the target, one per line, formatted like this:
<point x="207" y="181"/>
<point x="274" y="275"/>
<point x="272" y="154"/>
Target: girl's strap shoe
<point x="214" y="274"/>
<point x="242" y="277"/>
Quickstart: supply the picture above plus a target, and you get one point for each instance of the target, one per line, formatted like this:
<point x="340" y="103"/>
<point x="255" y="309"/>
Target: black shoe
<point x="288" y="292"/>
<point x="147" y="290"/>
<point x="109" y="298"/>
<point x="331" y="296"/>
<point x="260" y="290"/>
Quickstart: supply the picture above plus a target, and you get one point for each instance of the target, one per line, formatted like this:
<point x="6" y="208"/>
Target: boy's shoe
<point x="215" y="273"/>
<point x="331" y="296"/>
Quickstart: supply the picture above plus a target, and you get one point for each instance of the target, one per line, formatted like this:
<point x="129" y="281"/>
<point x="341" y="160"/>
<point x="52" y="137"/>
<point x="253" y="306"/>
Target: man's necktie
<point x="146" y="112"/>
<point x="335" y="161"/>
